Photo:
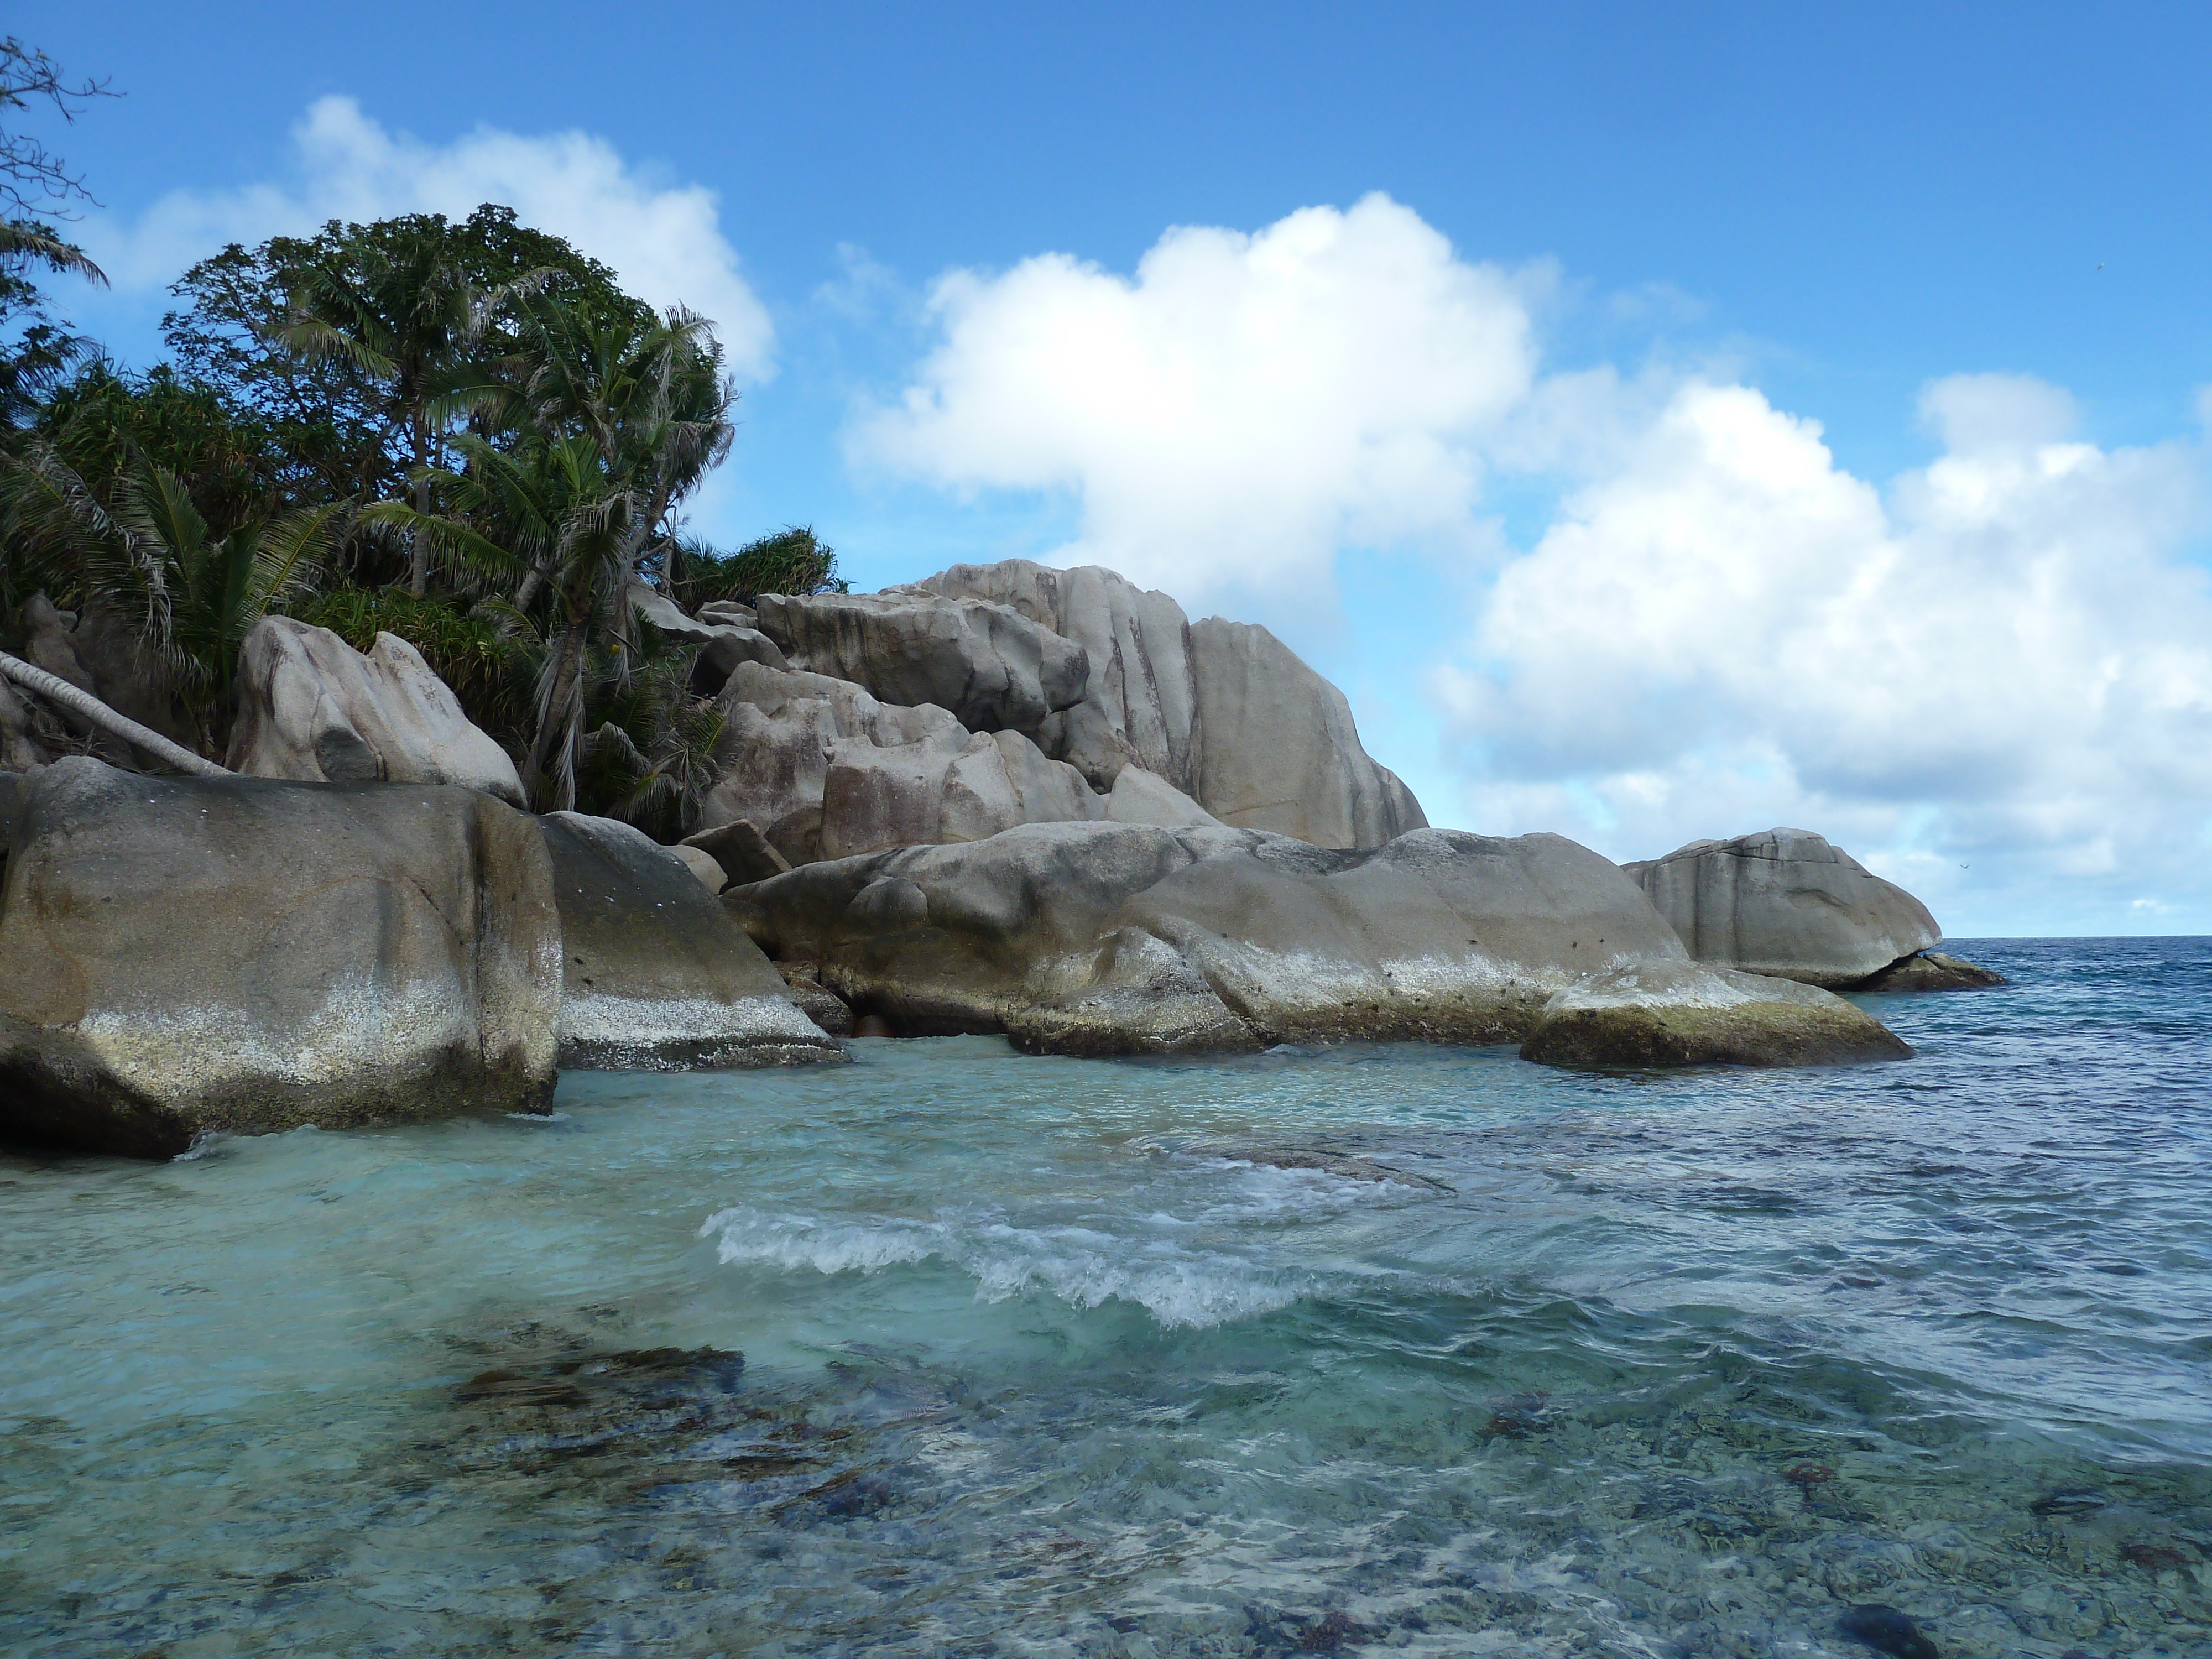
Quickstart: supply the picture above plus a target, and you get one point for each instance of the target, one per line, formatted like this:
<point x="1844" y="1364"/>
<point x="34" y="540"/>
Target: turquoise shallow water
<point x="1055" y="1357"/>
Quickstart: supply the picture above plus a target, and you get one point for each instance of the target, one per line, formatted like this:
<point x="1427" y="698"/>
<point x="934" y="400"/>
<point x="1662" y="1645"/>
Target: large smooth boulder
<point x="1113" y="939"/>
<point x="655" y="977"/>
<point x="1277" y="749"/>
<point x="1666" y="1012"/>
<point x="180" y="955"/>
<point x="1139" y="706"/>
<point x="1223" y="711"/>
<point x="313" y="710"/>
<point x="991" y="668"/>
<point x="1786" y="903"/>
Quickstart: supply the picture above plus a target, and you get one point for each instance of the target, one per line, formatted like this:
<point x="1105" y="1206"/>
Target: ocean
<point x="958" y="1351"/>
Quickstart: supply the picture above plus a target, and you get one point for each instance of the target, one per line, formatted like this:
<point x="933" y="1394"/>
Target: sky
<point x="1664" y="422"/>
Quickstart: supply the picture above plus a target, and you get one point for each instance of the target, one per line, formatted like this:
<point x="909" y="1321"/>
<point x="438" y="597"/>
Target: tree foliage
<point x="464" y="434"/>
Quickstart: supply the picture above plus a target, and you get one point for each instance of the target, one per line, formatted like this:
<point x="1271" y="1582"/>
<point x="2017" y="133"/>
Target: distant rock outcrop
<point x="989" y="667"/>
<point x="826" y="771"/>
<point x="1786" y="903"/>
<point x="1223" y="711"/>
<point x="1107" y="939"/>
<point x="313" y="710"/>
<point x="1689" y="1013"/>
<point x="179" y="955"/>
<point x="654" y="975"/>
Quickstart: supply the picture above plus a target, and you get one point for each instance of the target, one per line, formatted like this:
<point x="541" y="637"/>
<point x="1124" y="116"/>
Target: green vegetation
<point x="465" y="435"/>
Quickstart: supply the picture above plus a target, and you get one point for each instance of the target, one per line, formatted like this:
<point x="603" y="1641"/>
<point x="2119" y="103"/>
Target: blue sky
<point x="1663" y="422"/>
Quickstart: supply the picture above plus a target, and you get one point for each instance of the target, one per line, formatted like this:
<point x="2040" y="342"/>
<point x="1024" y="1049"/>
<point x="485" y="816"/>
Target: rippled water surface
<point x="955" y="1351"/>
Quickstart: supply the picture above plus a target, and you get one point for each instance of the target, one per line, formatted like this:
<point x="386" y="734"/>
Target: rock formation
<point x="1276" y="748"/>
<point x="824" y="771"/>
<point x="654" y="975"/>
<point x="312" y="709"/>
<point x="1666" y="1012"/>
<point x="1108" y="938"/>
<point x="1932" y="970"/>
<point x="179" y="955"/>
<point x="989" y="666"/>
<point x="1786" y="903"/>
<point x="1140" y="704"/>
<point x="1223" y="711"/>
<point x="101" y="654"/>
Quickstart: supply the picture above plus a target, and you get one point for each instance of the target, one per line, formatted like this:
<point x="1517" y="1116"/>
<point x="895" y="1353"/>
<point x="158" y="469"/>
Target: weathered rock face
<point x="1277" y="748"/>
<point x="1112" y="938"/>
<point x="183" y="954"/>
<point x="826" y="771"/>
<point x="654" y="975"/>
<point x="1932" y="970"/>
<point x="1688" y="1013"/>
<point x="1785" y="903"/>
<point x="20" y="748"/>
<point x="740" y="851"/>
<point x="101" y="655"/>
<point x="992" y="669"/>
<point x="1139" y="706"/>
<point x="313" y="710"/>
<point x="1222" y="711"/>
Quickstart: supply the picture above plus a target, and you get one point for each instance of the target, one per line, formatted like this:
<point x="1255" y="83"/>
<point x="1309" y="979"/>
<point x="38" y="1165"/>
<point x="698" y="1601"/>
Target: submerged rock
<point x="312" y="709"/>
<point x="655" y="975"/>
<point x="1887" y="1631"/>
<point x="1114" y="938"/>
<point x="1786" y="903"/>
<point x="1932" y="970"/>
<point x="179" y="955"/>
<point x="1682" y="1013"/>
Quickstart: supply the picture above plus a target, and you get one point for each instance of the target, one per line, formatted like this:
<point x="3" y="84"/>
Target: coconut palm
<point x="623" y="417"/>
<point x="191" y="595"/>
<point x="406" y="316"/>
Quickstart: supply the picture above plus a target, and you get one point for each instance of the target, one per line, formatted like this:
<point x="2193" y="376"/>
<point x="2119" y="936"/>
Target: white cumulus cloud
<point x="1240" y="408"/>
<point x="663" y="241"/>
<point x="2007" y="656"/>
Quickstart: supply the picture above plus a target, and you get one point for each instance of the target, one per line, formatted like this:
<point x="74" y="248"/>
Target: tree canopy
<point x="463" y="432"/>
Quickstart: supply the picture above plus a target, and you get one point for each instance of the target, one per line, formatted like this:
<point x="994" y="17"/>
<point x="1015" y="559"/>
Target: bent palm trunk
<point x="87" y="707"/>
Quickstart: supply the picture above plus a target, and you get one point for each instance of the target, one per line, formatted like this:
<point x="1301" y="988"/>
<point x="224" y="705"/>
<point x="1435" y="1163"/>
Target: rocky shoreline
<point x="1009" y="800"/>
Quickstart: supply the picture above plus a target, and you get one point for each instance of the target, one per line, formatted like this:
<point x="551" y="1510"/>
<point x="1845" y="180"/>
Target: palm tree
<point x="623" y="415"/>
<point x="193" y="597"/>
<point x="404" y="314"/>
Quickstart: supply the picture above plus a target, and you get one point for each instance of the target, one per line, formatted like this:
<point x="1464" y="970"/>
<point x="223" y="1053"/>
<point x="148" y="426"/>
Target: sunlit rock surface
<point x="654" y="975"/>
<point x="1785" y="903"/>
<point x="181" y="955"/>
<point x="313" y="710"/>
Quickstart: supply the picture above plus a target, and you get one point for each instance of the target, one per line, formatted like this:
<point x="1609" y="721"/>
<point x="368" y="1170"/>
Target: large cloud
<point x="1992" y="677"/>
<point x="2006" y="662"/>
<point x="664" y="242"/>
<point x="1241" y="409"/>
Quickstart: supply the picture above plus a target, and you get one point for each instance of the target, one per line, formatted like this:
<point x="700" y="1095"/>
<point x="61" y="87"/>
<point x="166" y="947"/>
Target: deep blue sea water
<point x="1062" y="1356"/>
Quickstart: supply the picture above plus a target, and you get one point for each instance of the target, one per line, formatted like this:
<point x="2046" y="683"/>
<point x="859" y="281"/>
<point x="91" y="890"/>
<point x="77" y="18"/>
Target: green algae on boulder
<point x="1678" y="1013"/>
